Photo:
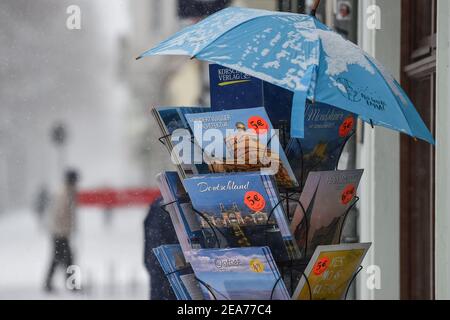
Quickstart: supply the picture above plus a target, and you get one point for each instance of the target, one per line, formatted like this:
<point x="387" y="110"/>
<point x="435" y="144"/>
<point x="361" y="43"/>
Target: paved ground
<point x="110" y="257"/>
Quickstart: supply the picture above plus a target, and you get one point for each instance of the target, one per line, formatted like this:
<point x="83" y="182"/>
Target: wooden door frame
<point x="413" y="71"/>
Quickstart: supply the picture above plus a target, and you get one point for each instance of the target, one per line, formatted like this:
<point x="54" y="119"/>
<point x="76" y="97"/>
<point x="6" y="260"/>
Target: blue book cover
<point x="178" y="205"/>
<point x="327" y="129"/>
<point x="183" y="202"/>
<point x="171" y="119"/>
<point x="174" y="118"/>
<point x="248" y="144"/>
<point x="179" y="273"/>
<point x="189" y="218"/>
<point x="278" y="104"/>
<point x="231" y="89"/>
<point x="238" y="274"/>
<point x="242" y="210"/>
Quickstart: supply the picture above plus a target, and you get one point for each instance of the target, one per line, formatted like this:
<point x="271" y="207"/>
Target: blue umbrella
<point x="299" y="53"/>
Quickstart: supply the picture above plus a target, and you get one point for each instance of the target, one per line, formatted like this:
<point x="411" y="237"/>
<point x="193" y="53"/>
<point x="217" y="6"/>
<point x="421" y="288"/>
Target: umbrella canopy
<point x="299" y="53"/>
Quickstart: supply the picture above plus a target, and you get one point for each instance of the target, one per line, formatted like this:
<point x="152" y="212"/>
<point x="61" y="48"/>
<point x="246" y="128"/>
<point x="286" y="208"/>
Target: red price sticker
<point x="346" y="127"/>
<point x="258" y="124"/>
<point x="255" y="201"/>
<point x="348" y="194"/>
<point x="321" y="266"/>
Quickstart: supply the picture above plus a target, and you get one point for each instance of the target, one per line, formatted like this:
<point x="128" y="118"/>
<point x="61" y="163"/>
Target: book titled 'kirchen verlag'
<point x="241" y="210"/>
<point x="231" y="89"/>
<point x="249" y="143"/>
<point x="238" y="274"/>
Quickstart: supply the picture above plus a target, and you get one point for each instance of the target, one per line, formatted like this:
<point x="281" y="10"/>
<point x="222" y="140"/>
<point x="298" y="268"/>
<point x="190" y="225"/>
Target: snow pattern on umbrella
<point x="299" y="53"/>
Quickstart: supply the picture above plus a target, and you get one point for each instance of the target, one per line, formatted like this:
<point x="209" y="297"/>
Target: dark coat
<point x="158" y="230"/>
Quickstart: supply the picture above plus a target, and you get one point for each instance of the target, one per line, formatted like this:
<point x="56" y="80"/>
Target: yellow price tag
<point x="256" y="266"/>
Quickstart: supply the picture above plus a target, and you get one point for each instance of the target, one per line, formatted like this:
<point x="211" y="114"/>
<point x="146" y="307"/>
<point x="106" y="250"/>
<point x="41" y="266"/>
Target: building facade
<point x="406" y="216"/>
<point x="159" y="81"/>
<point x="404" y="192"/>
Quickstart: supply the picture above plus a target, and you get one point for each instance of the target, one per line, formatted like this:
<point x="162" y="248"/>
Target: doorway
<point x="417" y="205"/>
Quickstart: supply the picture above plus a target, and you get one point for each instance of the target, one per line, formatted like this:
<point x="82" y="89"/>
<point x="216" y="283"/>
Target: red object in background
<point x="110" y="198"/>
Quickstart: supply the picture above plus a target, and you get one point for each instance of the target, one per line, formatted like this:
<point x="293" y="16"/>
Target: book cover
<point x="325" y="200"/>
<point x="249" y="143"/>
<point x="238" y="274"/>
<point x="171" y="119"/>
<point x="278" y="104"/>
<point x="327" y="129"/>
<point x="330" y="272"/>
<point x="241" y="210"/>
<point x="178" y="205"/>
<point x="231" y="89"/>
<point x="179" y="273"/>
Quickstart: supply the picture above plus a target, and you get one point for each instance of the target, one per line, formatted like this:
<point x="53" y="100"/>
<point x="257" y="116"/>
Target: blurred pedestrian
<point x="158" y="231"/>
<point x="62" y="216"/>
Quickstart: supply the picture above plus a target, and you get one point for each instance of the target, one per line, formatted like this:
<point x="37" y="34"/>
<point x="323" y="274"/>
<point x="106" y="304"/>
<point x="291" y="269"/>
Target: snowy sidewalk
<point x="110" y="256"/>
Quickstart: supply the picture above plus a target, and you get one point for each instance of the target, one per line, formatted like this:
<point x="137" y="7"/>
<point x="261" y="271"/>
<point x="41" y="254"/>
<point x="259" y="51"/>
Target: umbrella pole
<point x="314" y="8"/>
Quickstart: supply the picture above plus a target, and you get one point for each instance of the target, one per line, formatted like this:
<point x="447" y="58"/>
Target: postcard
<point x="238" y="274"/>
<point x="331" y="271"/>
<point x="179" y="272"/>
<point x="325" y="200"/>
<point x="327" y="129"/>
<point x="249" y="143"/>
<point x="178" y="205"/>
<point x="172" y="120"/>
<point x="241" y="210"/>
